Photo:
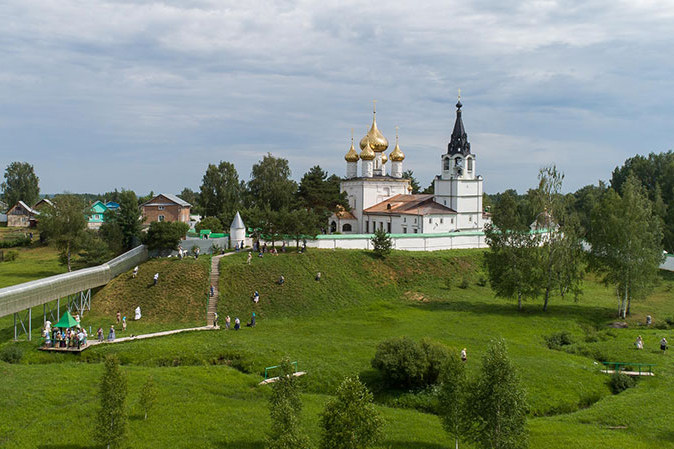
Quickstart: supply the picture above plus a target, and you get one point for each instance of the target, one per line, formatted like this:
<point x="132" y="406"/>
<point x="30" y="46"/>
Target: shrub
<point x="381" y="243"/>
<point x="402" y="362"/>
<point x="11" y="354"/>
<point x="10" y="256"/>
<point x="22" y="241"/>
<point x="620" y="382"/>
<point x="211" y="223"/>
<point x="670" y="320"/>
<point x="556" y="341"/>
<point x="482" y="281"/>
<point x="464" y="283"/>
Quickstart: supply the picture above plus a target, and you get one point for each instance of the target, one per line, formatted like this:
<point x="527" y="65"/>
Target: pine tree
<point x="496" y="404"/>
<point x="285" y="406"/>
<point x="381" y="243"/>
<point x="350" y="419"/>
<point x="112" y="419"/>
<point x="453" y="396"/>
<point x="148" y="396"/>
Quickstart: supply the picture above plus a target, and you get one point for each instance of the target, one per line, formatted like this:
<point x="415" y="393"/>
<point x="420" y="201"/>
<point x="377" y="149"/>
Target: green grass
<point x="332" y="328"/>
<point x="34" y="262"/>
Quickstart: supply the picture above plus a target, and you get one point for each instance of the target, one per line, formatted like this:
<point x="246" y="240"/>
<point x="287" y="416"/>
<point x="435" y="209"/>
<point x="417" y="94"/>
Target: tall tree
<point x="64" y="224"/>
<point x="148" y="396"/>
<point x="626" y="242"/>
<point x="409" y="174"/>
<point x="221" y="192"/>
<point x="21" y="184"/>
<point x="125" y="222"/>
<point x="285" y="406"/>
<point x="452" y="397"/>
<point x="191" y="197"/>
<point x="270" y="185"/>
<point x="561" y="247"/>
<point x="497" y="404"/>
<point x="320" y="194"/>
<point x="350" y="419"/>
<point x="514" y="271"/>
<point x="165" y="235"/>
<point x="112" y="419"/>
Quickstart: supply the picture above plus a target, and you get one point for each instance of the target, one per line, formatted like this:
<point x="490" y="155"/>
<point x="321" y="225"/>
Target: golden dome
<point x="397" y="155"/>
<point x="367" y="154"/>
<point x="377" y="140"/>
<point x="351" y="156"/>
<point x="384" y="158"/>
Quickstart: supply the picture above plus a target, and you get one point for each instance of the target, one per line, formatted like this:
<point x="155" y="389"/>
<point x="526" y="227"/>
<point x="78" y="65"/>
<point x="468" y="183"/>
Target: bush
<point x="482" y="282"/>
<point x="381" y="243"/>
<point x="165" y="234"/>
<point x="10" y="256"/>
<point x="556" y="341"/>
<point x="620" y="382"/>
<point x="11" y="354"/>
<point x="464" y="283"/>
<point x="211" y="223"/>
<point x="22" y="241"/>
<point x="404" y="363"/>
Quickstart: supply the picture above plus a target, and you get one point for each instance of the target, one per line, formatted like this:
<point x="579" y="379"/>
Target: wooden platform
<point x="57" y="349"/>
<point x="629" y="373"/>
<point x="271" y="380"/>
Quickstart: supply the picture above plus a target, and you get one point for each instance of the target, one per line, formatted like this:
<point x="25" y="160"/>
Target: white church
<point x="380" y="197"/>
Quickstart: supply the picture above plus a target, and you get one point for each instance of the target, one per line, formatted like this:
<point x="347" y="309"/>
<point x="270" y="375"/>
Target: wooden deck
<point x="57" y="349"/>
<point x="629" y="373"/>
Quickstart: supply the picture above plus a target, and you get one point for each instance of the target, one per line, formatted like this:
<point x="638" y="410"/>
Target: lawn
<point x="331" y="327"/>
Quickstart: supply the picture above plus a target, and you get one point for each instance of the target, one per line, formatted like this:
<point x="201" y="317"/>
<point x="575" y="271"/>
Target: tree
<point x="350" y="419"/>
<point x="270" y="185"/>
<point x="452" y="397"/>
<point x="381" y="243"/>
<point x="191" y="197"/>
<point x="125" y="222"/>
<point x="409" y="174"/>
<point x="211" y="223"/>
<point x="64" y="225"/>
<point x="626" y="242"/>
<point x="148" y="396"/>
<point x="321" y="194"/>
<point x="165" y="235"/>
<point x="221" y="192"/>
<point x="513" y="251"/>
<point x="93" y="250"/>
<point x="285" y="406"/>
<point x="112" y="419"/>
<point x="21" y="184"/>
<point x="496" y="403"/>
<point x="561" y="247"/>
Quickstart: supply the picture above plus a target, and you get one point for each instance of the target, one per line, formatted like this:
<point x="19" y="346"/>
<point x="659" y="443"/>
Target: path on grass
<point x="155" y="334"/>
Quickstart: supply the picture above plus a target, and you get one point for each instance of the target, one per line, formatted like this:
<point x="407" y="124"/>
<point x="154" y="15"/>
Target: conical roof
<point x="458" y="143"/>
<point x="66" y="320"/>
<point x="237" y="223"/>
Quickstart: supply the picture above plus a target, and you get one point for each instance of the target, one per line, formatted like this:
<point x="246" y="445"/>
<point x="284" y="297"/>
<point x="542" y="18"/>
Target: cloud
<point x="155" y="88"/>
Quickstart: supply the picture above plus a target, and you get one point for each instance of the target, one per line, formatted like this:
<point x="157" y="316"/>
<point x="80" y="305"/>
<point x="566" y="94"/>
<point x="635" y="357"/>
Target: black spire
<point x="458" y="144"/>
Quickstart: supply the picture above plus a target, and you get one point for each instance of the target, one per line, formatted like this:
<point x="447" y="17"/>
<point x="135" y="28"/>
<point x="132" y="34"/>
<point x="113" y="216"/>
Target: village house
<point x="96" y="215"/>
<point x="21" y="216"/>
<point x="166" y="207"/>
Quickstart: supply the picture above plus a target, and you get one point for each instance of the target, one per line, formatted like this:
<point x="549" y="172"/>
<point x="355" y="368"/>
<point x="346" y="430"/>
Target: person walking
<point x="212" y="290"/>
<point x="639" y="343"/>
<point x="215" y="319"/>
<point x="100" y="334"/>
<point x="228" y="321"/>
<point x="119" y="317"/>
<point x="155" y="278"/>
<point x="123" y="324"/>
<point x="663" y="345"/>
<point x="135" y="271"/>
<point x="111" y="333"/>
<point x="464" y="356"/>
<point x="250" y="256"/>
<point x="237" y="324"/>
<point x="256" y="297"/>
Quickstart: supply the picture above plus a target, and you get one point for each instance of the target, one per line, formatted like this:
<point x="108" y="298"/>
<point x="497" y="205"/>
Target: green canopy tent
<point x="67" y="320"/>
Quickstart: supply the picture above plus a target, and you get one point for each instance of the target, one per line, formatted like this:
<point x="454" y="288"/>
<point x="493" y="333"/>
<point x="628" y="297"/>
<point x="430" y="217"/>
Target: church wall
<point x="418" y="242"/>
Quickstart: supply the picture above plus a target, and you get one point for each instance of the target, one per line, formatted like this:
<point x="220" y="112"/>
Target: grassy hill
<point x="331" y="327"/>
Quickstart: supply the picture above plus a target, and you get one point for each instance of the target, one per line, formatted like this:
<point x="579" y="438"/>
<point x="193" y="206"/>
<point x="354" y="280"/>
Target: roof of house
<point x="168" y="196"/>
<point x="24" y="206"/>
<point x="112" y="205"/>
<point x="41" y="202"/>
<point x="98" y="207"/>
<point x="344" y="214"/>
<point x="422" y="204"/>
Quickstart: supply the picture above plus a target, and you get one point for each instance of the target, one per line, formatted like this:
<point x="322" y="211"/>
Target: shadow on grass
<point x="65" y="446"/>
<point x="414" y="444"/>
<point x="240" y="444"/>
<point x="576" y="311"/>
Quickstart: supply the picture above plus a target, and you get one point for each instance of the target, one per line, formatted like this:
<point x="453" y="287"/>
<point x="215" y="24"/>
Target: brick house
<point x="166" y="207"/>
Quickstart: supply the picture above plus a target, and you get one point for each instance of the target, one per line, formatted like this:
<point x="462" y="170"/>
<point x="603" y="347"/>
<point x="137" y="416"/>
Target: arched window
<point x="346" y="227"/>
<point x="469" y="163"/>
<point x="446" y="165"/>
<point x="333" y="227"/>
<point x="387" y="191"/>
<point x="457" y="162"/>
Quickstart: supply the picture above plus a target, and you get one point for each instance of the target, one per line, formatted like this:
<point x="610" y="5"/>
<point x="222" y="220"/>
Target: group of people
<point x="70" y="337"/>
<point x="237" y="322"/>
<point x="640" y="344"/>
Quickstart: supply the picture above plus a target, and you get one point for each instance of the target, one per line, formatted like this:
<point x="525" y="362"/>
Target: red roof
<point x="410" y="205"/>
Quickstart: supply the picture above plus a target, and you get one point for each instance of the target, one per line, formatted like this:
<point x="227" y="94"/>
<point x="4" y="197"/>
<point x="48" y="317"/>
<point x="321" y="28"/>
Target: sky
<point x="99" y="95"/>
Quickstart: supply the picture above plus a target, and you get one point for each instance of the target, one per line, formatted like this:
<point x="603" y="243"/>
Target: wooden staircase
<point x="213" y="300"/>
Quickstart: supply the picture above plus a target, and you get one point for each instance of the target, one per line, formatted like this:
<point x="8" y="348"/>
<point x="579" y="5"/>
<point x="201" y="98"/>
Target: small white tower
<point x="351" y="161"/>
<point x="367" y="156"/>
<point x="397" y="158"/>
<point x="237" y="231"/>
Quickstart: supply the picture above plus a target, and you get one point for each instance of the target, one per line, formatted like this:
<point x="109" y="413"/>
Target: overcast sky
<point x="143" y="95"/>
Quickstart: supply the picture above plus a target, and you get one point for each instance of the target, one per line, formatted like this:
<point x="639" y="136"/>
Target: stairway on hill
<point x="213" y="300"/>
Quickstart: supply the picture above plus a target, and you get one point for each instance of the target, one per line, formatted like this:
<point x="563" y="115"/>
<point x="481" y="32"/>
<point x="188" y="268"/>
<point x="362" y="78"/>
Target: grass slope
<point x="332" y="328"/>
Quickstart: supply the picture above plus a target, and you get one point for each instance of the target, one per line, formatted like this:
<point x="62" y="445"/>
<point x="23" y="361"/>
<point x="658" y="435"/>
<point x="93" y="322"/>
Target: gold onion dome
<point x="397" y="155"/>
<point x="384" y="158"/>
<point x="351" y="156"/>
<point x="367" y="154"/>
<point x="377" y="140"/>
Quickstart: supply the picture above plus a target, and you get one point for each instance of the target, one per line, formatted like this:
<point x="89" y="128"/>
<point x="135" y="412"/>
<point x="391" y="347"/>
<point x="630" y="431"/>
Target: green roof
<point x="66" y="320"/>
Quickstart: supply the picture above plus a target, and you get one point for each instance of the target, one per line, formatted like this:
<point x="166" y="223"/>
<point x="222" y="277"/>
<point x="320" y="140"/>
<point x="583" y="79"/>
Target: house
<point x="111" y="205"/>
<point x="97" y="215"/>
<point x="21" y="216"/>
<point x="410" y="214"/>
<point x="3" y="206"/>
<point x="166" y="207"/>
<point x="44" y="202"/>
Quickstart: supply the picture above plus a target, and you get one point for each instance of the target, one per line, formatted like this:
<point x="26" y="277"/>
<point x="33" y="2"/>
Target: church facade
<point x="380" y="198"/>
